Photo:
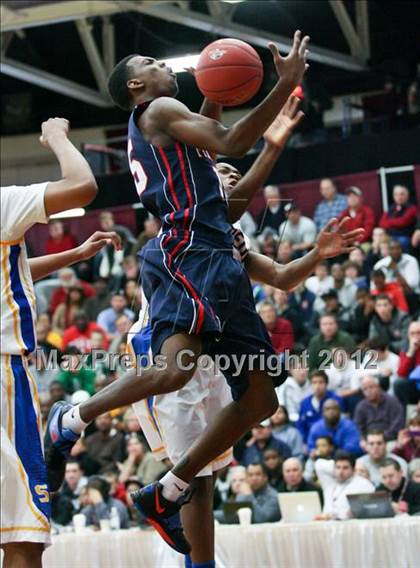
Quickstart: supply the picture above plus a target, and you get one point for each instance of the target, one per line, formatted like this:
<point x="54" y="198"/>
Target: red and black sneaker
<point x="163" y="515"/>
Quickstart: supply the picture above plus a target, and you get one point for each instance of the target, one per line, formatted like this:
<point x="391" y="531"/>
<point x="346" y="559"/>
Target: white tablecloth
<point x="381" y="543"/>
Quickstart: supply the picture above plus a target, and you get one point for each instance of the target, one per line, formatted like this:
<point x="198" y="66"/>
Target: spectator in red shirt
<point x="393" y="290"/>
<point x="400" y="220"/>
<point x="59" y="240"/>
<point x="79" y="334"/>
<point x="67" y="277"/>
<point x="406" y="390"/>
<point x="361" y="216"/>
<point x="280" y="330"/>
<point x="408" y="441"/>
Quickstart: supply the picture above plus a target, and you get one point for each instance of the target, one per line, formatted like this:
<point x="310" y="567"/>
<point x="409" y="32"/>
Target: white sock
<point x="72" y="420"/>
<point x="173" y="487"/>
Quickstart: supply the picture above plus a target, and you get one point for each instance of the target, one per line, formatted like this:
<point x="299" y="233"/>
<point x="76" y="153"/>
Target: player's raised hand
<point x="53" y="127"/>
<point x="97" y="242"/>
<point x="292" y="67"/>
<point x="334" y="240"/>
<point x="283" y="125"/>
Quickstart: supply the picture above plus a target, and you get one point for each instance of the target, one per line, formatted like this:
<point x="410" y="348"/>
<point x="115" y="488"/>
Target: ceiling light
<point x="179" y="64"/>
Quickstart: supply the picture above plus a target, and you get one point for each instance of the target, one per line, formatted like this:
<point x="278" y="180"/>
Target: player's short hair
<point x="117" y="83"/>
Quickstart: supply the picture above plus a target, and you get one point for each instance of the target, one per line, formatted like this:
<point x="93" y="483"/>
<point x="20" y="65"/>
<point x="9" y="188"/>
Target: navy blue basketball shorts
<point x="206" y="292"/>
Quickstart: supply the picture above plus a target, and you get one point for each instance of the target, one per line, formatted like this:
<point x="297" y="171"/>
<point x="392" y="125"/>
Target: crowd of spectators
<point x="349" y="415"/>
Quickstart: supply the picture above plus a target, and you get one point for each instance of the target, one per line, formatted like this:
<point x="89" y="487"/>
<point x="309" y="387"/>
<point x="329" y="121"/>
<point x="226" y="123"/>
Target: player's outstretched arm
<point x="43" y="266"/>
<point x="77" y="187"/>
<point x="333" y="241"/>
<point x="167" y="116"/>
<point x="275" y="138"/>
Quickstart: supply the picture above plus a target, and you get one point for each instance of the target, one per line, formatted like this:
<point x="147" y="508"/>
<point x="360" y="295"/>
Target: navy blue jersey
<point x="179" y="184"/>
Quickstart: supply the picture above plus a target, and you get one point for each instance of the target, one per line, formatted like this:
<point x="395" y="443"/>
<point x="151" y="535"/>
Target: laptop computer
<point x="231" y="508"/>
<point x="371" y="505"/>
<point x="299" y="507"/>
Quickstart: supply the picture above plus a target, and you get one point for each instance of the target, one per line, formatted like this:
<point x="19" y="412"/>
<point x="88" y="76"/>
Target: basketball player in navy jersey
<point x="200" y="296"/>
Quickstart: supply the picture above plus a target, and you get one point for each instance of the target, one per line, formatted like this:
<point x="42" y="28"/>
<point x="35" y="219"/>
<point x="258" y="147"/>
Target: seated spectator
<point x="111" y="473"/>
<point x="284" y="252"/>
<point x="400" y="219"/>
<point x="293" y="480"/>
<point x="263" y="439"/>
<point x="388" y="323"/>
<point x="150" y="231"/>
<point x="358" y="257"/>
<point x="408" y="441"/>
<point x="393" y="290"/>
<point x="414" y="470"/>
<point x="361" y="216"/>
<point x="402" y="268"/>
<point x="76" y="376"/>
<point x="47" y="339"/>
<point x="107" y="318"/>
<point x="272" y="215"/>
<point x="107" y="223"/>
<point x="375" y="445"/>
<point x="273" y="463"/>
<point x="107" y="263"/>
<point x="284" y="310"/>
<point x="122" y="324"/>
<point x="320" y="283"/>
<point x="378" y="410"/>
<point x="56" y="392"/>
<point x="381" y="362"/>
<point x="332" y="306"/>
<point x="338" y="479"/>
<point x="353" y="273"/>
<point x="302" y="301"/>
<point x="58" y="240"/>
<point x="345" y="288"/>
<point x="362" y="315"/>
<point x="74" y="481"/>
<point x="93" y="306"/>
<point x="67" y="277"/>
<point x="285" y="431"/>
<point x="268" y="245"/>
<point x="265" y="505"/>
<point x="324" y="449"/>
<point x="236" y="477"/>
<point x="328" y="338"/>
<point x="342" y="431"/>
<point x="379" y="239"/>
<point x="332" y="205"/>
<point x="311" y="407"/>
<point x="343" y="379"/>
<point x="64" y="314"/>
<point x="131" y="268"/>
<point x="106" y="445"/>
<point x="298" y="229"/>
<point x="140" y="463"/>
<point x="406" y="390"/>
<point x="280" y="330"/>
<point x="101" y="504"/>
<point x="79" y="335"/>
<point x="294" y="389"/>
<point x="405" y="494"/>
<point x="132" y="292"/>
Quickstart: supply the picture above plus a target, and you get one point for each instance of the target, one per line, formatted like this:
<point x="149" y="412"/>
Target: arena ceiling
<point x="56" y="55"/>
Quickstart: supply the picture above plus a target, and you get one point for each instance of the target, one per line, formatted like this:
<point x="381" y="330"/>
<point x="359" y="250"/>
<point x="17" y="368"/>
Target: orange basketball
<point x="229" y="72"/>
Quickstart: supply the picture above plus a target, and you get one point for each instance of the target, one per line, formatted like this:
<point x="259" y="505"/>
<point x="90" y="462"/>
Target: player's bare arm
<point x="43" y="266"/>
<point x="77" y="187"/>
<point x="167" y="119"/>
<point x="275" y="139"/>
<point x="332" y="241"/>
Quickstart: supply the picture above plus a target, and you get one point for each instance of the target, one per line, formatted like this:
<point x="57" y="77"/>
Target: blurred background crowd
<point x="349" y="414"/>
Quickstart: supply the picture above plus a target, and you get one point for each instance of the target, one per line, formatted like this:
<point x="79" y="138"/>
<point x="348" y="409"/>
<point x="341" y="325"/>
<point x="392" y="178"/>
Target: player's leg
<point x="23" y="555"/>
<point x="198" y="522"/>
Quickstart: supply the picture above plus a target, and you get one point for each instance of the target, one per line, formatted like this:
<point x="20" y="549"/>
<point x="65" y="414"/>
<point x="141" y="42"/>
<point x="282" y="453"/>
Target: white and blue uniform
<point x="25" y="502"/>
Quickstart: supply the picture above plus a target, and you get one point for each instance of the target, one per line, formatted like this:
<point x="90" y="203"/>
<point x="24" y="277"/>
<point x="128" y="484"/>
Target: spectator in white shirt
<point x="400" y="267"/>
<point x="319" y="284"/>
<point x="346" y="289"/>
<point x="381" y="362"/>
<point x="299" y="230"/>
<point x="294" y="389"/>
<point x="375" y="445"/>
<point x="338" y="480"/>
